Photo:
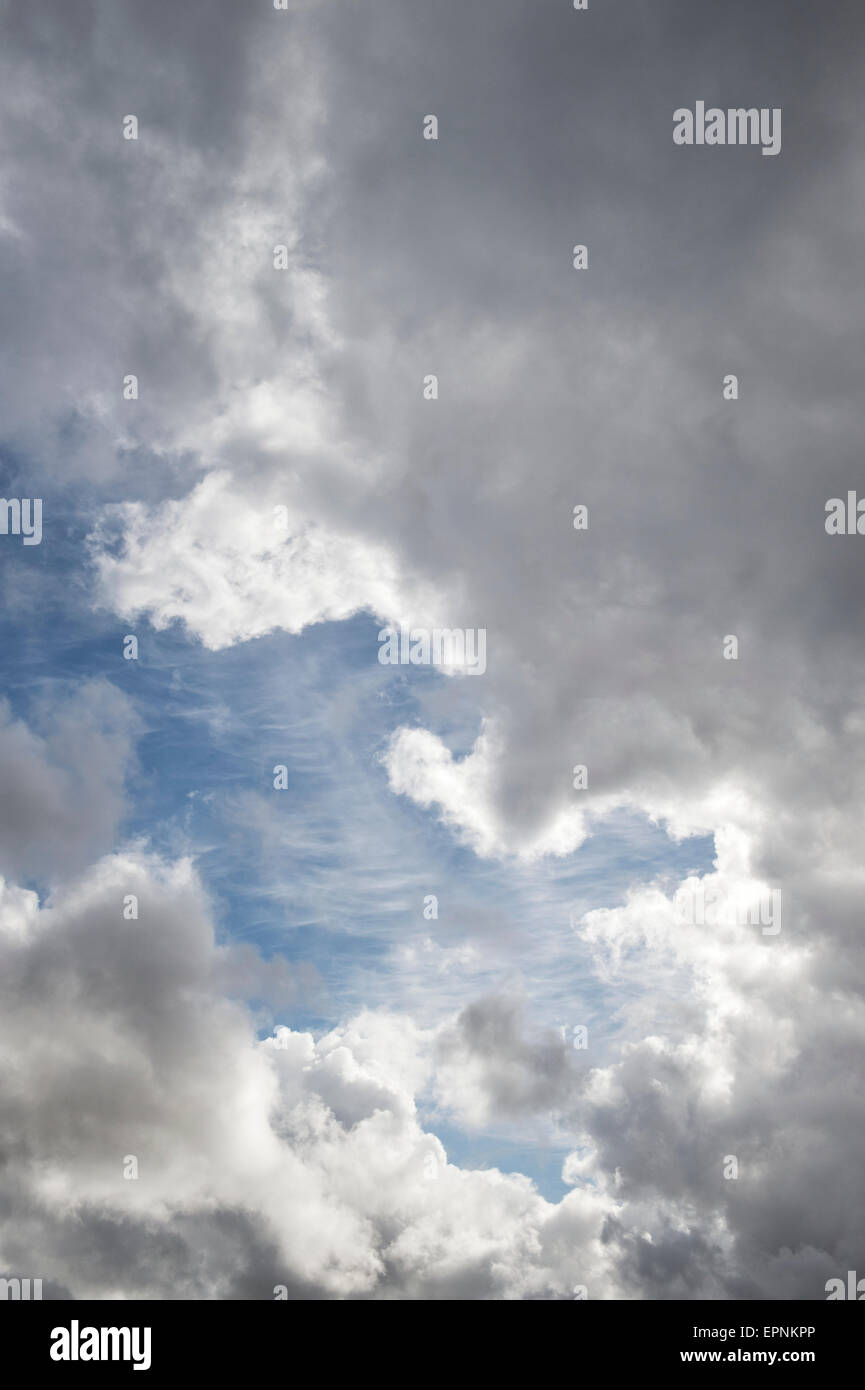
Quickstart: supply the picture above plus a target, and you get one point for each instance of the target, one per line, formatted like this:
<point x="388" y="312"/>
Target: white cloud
<point x="421" y="767"/>
<point x="312" y="1148"/>
<point x="232" y="570"/>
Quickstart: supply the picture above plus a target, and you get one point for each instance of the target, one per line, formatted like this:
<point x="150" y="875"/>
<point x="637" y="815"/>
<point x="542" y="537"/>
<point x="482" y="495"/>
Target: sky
<point x="319" y="976"/>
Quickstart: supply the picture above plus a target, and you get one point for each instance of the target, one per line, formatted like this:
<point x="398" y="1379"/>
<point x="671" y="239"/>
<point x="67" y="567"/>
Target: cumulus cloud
<point x="233" y="571"/>
<point x="259" y="1163"/>
<point x="489" y="1069"/>
<point x="420" y="766"/>
<point x="301" y="1162"/>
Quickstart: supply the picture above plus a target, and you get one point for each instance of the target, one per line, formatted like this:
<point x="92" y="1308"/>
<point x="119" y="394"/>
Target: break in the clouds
<point x="284" y="365"/>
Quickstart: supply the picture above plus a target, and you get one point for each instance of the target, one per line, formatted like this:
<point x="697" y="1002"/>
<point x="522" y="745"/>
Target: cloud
<point x="489" y="1070"/>
<point x="421" y="767"/>
<point x="307" y="1157"/>
<point x="557" y="388"/>
<point x="63" y="779"/>
<point x="286" y="1161"/>
<point x="233" y="571"/>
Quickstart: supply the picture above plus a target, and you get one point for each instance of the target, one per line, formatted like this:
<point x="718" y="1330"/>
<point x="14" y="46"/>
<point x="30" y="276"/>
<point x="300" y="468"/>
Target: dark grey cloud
<point x="508" y="1072"/>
